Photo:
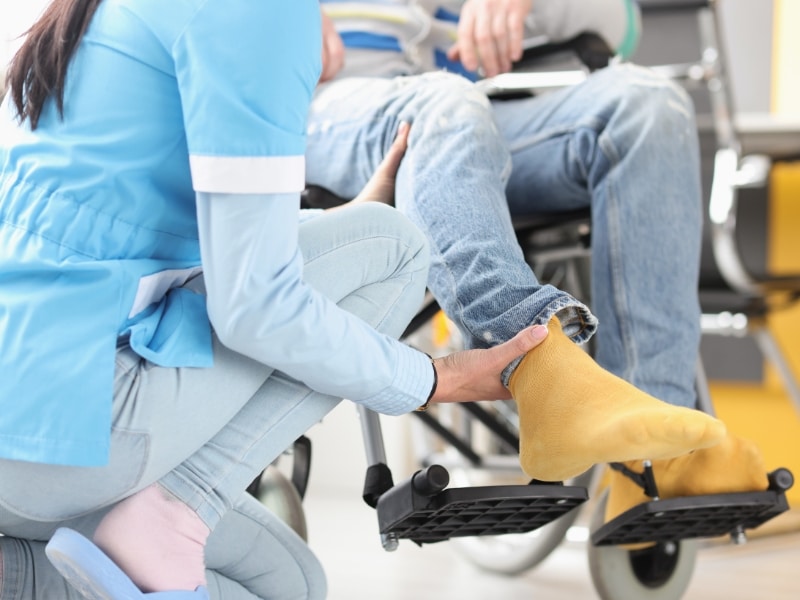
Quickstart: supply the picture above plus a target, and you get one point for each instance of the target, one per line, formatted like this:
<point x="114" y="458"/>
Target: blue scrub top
<point x="98" y="225"/>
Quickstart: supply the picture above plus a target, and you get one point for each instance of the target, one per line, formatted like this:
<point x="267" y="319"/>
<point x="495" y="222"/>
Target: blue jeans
<point x="624" y="143"/>
<point x="205" y="434"/>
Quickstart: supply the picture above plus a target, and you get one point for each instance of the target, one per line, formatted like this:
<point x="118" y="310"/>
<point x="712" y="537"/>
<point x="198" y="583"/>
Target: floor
<point x="343" y="533"/>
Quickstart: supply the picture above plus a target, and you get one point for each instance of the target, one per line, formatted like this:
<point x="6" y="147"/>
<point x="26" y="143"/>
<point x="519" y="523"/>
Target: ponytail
<point x="39" y="69"/>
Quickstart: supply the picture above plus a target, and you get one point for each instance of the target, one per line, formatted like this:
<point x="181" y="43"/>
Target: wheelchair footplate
<point x="688" y="517"/>
<point x="422" y="510"/>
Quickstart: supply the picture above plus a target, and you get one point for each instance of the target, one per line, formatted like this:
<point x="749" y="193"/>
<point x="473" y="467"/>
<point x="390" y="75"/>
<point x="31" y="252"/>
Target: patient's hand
<point x="490" y="35"/>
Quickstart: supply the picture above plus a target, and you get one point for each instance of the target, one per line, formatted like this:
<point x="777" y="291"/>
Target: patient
<point x="623" y="144"/>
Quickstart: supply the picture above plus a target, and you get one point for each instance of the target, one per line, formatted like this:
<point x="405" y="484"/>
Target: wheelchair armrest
<point x="549" y="65"/>
<point x="589" y="48"/>
<point x="672" y="5"/>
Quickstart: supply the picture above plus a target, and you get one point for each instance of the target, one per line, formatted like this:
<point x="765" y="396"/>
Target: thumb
<point x="524" y="341"/>
<point x="453" y="53"/>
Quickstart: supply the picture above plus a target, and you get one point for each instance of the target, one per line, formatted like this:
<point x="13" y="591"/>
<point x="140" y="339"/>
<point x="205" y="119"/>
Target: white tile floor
<point x="343" y="532"/>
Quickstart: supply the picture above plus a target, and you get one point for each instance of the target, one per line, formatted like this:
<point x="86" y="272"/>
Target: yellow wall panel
<point x="784" y="256"/>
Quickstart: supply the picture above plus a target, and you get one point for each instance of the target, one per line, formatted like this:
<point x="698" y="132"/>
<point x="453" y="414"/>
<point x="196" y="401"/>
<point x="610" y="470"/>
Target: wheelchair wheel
<point x="275" y="491"/>
<point x="661" y="572"/>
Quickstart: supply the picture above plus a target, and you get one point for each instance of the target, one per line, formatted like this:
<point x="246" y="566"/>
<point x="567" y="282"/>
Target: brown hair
<point x="39" y="69"/>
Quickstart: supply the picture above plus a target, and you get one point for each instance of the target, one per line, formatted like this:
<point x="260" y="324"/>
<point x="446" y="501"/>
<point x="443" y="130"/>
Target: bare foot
<point x="380" y="187"/>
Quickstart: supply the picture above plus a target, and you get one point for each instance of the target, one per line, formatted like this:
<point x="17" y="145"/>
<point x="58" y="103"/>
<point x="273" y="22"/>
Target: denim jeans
<point x="205" y="434"/>
<point x="624" y="143"/>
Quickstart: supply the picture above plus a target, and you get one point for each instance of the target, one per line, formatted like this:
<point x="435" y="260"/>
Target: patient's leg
<point x="574" y="414"/>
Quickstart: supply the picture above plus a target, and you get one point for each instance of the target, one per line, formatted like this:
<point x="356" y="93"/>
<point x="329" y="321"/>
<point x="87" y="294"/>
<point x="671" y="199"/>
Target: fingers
<point x="500" y="39"/>
<point x="464" y="48"/>
<point x="475" y="374"/>
<point x="391" y="162"/>
<point x="490" y="35"/>
<point x="516" y="28"/>
<point x="400" y="142"/>
<point x="525" y="341"/>
<point x="380" y="187"/>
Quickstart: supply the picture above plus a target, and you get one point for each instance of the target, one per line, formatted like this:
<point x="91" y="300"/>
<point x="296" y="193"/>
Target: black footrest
<point x="691" y="517"/>
<point x="473" y="511"/>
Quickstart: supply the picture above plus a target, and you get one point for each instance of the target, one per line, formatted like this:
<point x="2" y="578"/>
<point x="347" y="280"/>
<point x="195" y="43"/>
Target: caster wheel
<point x="274" y="490"/>
<point x="660" y="572"/>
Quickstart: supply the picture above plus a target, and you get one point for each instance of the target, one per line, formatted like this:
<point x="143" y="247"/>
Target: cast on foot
<point x="574" y="414"/>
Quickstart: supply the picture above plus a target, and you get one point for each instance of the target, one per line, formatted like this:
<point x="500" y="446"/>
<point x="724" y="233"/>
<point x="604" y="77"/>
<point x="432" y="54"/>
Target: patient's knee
<point x="651" y="93"/>
<point x="445" y="101"/>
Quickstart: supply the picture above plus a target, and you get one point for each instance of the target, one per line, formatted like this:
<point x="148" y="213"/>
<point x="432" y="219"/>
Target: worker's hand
<point x="472" y="375"/>
<point x="490" y="35"/>
<point x="332" y="50"/>
<point x="381" y="186"/>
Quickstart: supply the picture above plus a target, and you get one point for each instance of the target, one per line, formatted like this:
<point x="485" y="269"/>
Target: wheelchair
<point x="491" y="515"/>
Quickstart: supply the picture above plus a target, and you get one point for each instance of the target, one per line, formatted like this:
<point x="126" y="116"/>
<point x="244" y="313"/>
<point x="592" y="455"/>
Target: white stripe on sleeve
<point x="248" y="174"/>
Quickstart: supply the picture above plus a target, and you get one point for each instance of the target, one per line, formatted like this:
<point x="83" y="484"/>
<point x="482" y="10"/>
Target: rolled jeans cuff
<point x="577" y="322"/>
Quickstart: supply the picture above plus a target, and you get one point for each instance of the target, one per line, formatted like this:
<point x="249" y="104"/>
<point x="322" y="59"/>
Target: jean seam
<point x="611" y="153"/>
<point x="242" y="510"/>
<point x="13" y="585"/>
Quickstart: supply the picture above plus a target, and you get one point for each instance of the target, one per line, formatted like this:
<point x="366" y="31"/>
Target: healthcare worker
<point x="168" y="326"/>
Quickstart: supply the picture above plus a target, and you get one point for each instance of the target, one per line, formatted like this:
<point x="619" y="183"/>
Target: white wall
<point x="15" y="18"/>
